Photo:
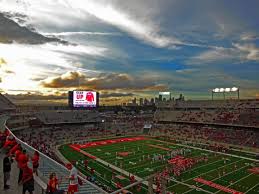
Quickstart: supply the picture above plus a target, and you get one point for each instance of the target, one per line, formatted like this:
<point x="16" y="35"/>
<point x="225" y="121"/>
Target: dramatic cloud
<point x="238" y="53"/>
<point x="136" y="47"/>
<point x="67" y="80"/>
<point x="12" y="32"/>
<point x="81" y="33"/>
<point x="35" y="97"/>
<point x="117" y="94"/>
<point x="215" y="56"/>
<point x="104" y="81"/>
<point x="251" y="51"/>
<point x="2" y="62"/>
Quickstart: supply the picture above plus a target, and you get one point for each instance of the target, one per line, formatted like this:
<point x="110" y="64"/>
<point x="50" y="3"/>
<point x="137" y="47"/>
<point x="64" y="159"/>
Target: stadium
<point x="129" y="97"/>
<point x="180" y="147"/>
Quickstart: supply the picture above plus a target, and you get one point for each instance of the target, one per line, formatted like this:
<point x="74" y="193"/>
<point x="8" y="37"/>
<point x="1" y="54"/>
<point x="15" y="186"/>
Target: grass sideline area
<point x="227" y="171"/>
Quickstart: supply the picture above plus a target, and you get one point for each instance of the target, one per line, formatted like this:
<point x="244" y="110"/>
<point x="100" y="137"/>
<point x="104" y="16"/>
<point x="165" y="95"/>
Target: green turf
<point x="237" y="178"/>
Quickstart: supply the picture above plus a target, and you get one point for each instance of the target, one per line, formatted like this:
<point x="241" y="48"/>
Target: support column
<point x="163" y="186"/>
<point x="150" y="186"/>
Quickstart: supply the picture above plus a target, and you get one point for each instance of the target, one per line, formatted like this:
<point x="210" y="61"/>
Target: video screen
<point x="84" y="99"/>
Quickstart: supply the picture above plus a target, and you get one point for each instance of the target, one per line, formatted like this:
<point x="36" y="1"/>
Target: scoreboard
<point x="83" y="99"/>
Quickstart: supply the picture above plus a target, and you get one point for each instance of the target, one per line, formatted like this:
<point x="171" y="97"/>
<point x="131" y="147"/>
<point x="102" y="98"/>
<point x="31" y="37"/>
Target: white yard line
<point x="251" y="188"/>
<point x="151" y="168"/>
<point x="237" y="181"/>
<point x="254" y="160"/>
<point x="232" y="155"/>
<point x="222" y="176"/>
<point x="202" y="173"/>
<point x="202" y="166"/>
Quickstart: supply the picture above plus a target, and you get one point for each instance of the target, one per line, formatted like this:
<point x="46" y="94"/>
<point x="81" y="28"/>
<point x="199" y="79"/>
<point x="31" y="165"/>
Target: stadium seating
<point x="235" y="136"/>
<point x="245" y="117"/>
<point x="56" y="117"/>
<point x="6" y="104"/>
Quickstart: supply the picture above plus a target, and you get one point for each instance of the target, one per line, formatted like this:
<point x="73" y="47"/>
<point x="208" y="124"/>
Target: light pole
<point x="224" y="91"/>
<point x="103" y="121"/>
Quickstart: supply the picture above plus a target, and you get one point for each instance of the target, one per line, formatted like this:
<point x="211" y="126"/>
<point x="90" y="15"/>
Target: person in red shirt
<point x="35" y="162"/>
<point x="27" y="180"/>
<point x="22" y="162"/>
<point x="17" y="154"/>
<point x="14" y="149"/>
<point x="132" y="179"/>
<point x="73" y="179"/>
<point x="53" y="185"/>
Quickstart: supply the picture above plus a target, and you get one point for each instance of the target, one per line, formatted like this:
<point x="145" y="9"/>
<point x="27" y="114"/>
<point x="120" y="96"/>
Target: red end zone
<point x="106" y="142"/>
<point x="78" y="147"/>
<point x="254" y="170"/>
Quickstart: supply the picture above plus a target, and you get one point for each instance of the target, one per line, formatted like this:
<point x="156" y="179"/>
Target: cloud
<point x="63" y="13"/>
<point x="104" y="81"/>
<point x="140" y="29"/>
<point x="2" y="62"/>
<point x="115" y="94"/>
<point x="67" y="80"/>
<point x="81" y="33"/>
<point x="249" y="36"/>
<point x="0" y="79"/>
<point x="215" y="56"/>
<point x="238" y="53"/>
<point x="9" y="71"/>
<point x="38" y="98"/>
<point x="38" y="59"/>
<point x="12" y="32"/>
<point x="251" y="51"/>
<point x="34" y="97"/>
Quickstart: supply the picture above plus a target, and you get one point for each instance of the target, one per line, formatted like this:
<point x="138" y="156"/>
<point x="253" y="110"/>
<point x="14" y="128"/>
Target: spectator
<point x="35" y="162"/>
<point x="73" y="180"/>
<point x="7" y="169"/>
<point x="22" y="162"/>
<point x="27" y="180"/>
<point x="53" y="185"/>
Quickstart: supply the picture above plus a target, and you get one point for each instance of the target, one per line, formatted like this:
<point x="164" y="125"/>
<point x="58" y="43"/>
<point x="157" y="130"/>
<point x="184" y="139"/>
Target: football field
<point x="115" y="160"/>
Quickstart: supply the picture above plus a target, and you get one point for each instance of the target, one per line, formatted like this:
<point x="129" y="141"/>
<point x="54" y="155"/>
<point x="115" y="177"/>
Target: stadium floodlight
<point x="227" y="89"/>
<point x="216" y="90"/>
<point x="222" y="89"/>
<point x="234" y="89"/>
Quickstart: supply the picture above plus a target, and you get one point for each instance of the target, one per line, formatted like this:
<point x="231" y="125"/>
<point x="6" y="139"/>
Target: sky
<point x="126" y="49"/>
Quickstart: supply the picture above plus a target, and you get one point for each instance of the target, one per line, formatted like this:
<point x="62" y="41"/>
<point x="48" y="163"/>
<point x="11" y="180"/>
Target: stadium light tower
<point x="224" y="91"/>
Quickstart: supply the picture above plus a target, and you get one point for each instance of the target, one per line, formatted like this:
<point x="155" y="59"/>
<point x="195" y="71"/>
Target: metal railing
<point x="47" y="165"/>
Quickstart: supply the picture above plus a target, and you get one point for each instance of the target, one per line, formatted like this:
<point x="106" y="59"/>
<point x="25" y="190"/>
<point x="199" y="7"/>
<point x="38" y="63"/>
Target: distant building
<point x="146" y="102"/>
<point x="160" y="98"/>
<point x="134" y="102"/>
<point x="141" y="102"/>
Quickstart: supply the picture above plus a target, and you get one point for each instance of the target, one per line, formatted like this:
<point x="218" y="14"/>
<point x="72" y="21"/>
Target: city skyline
<point x="127" y="49"/>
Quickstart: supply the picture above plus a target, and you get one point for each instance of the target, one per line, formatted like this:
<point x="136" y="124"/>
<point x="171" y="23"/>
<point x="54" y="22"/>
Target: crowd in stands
<point x="78" y="116"/>
<point x="209" y="104"/>
<point x="5" y="104"/>
<point x="128" y="123"/>
<point x="235" y="136"/>
<point x="220" y="116"/>
<point x="14" y="152"/>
